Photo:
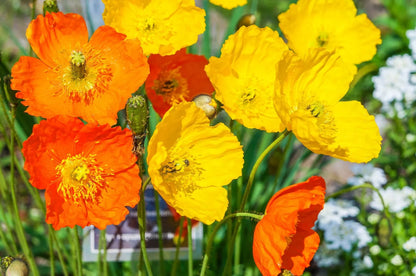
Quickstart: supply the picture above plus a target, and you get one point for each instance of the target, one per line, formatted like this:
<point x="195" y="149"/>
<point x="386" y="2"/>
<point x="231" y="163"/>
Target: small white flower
<point x="395" y="199"/>
<point x="400" y="215"/>
<point x="375" y="249"/>
<point x="397" y="260"/>
<point x="414" y="270"/>
<point x="367" y="173"/>
<point x="346" y="234"/>
<point x="410" y="244"/>
<point x="336" y="210"/>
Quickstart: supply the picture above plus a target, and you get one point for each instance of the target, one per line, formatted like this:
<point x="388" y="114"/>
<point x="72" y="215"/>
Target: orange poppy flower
<point x="76" y="77"/>
<point x="176" y="78"/>
<point x="89" y="172"/>
<point x="283" y="238"/>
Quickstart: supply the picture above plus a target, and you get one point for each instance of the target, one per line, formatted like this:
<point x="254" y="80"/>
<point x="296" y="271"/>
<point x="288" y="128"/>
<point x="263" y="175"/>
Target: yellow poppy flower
<point x="332" y="24"/>
<point x="244" y="76"/>
<point x="228" y="4"/>
<point x="163" y="27"/>
<point x="308" y="91"/>
<point x="189" y="162"/>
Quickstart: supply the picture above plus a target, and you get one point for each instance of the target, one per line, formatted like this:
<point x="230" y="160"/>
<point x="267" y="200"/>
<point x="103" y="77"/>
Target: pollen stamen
<point x="82" y="179"/>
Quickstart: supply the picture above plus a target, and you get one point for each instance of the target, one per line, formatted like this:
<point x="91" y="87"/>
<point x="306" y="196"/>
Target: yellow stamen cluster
<point x="82" y="178"/>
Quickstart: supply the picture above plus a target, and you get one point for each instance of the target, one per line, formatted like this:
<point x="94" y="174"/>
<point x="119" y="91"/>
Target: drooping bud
<point x="384" y="232"/>
<point x="137" y="117"/>
<point x="14" y="266"/>
<point x="207" y="104"/>
<point x="50" y="6"/>
<point x="246" y="20"/>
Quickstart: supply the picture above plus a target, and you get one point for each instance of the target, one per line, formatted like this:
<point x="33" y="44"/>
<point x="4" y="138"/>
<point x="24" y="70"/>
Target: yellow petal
<point x="189" y="159"/>
<point x="319" y="77"/>
<point x="332" y="24"/>
<point x="244" y="76"/>
<point x="355" y="136"/>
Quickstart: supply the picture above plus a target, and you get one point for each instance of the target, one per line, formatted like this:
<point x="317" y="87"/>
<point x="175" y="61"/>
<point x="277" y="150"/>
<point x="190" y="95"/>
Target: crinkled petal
<point x="332" y="24"/>
<point x="283" y="239"/>
<point x="55" y="35"/>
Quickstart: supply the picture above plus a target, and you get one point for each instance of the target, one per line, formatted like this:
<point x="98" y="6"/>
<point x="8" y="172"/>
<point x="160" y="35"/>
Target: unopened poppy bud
<point x="246" y="20"/>
<point x="137" y="118"/>
<point x="384" y="232"/>
<point x="207" y="104"/>
<point x="14" y="266"/>
<point x="50" y="6"/>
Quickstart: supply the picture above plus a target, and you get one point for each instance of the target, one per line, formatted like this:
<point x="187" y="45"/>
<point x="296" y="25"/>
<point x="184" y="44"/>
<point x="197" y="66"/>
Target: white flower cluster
<point x="395" y="200"/>
<point x="410" y="244"/>
<point x="395" y="86"/>
<point x="339" y="232"/>
<point x="367" y="173"/>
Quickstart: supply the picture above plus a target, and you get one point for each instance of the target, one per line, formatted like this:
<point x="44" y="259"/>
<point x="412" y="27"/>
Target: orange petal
<point x="283" y="238"/>
<point x="55" y="35"/>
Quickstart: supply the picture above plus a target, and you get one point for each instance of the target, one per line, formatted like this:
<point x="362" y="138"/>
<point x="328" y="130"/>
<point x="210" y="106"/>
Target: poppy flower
<point x="244" y="77"/>
<point x="189" y="162"/>
<point x="163" y="27"/>
<point x="176" y="78"/>
<point x="307" y="99"/>
<point x="283" y="238"/>
<point x="76" y="77"/>
<point x="332" y="24"/>
<point x="88" y="172"/>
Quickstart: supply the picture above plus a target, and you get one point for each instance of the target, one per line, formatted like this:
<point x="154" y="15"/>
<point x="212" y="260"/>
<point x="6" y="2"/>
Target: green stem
<point x="51" y="254"/>
<point x="206" y="42"/>
<point x="190" y="258"/>
<point x="102" y="259"/>
<point x="159" y="231"/>
<point x="178" y="245"/>
<point x="257" y="164"/>
<point x="141" y="217"/>
<point x="58" y="250"/>
<point x="247" y="192"/>
<point x="18" y="223"/>
<point x="77" y="247"/>
<point x="214" y="232"/>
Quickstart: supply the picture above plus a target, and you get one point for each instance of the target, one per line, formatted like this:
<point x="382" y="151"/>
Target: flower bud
<point x="207" y="104"/>
<point x="137" y="117"/>
<point x="246" y="20"/>
<point x="50" y="6"/>
<point x="14" y="266"/>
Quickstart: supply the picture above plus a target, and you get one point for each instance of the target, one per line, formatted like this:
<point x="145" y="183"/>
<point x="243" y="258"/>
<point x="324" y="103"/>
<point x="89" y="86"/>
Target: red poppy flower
<point x="283" y="238"/>
<point x="89" y="172"/>
<point x="176" y="78"/>
<point x="76" y="77"/>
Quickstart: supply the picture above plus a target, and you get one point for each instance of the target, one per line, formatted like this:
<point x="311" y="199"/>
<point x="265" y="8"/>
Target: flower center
<point x="78" y="65"/>
<point x="322" y="39"/>
<point x="87" y="76"/>
<point x="82" y="179"/>
<point x="171" y="86"/>
<point x="182" y="170"/>
<point x="325" y="119"/>
<point x="248" y="95"/>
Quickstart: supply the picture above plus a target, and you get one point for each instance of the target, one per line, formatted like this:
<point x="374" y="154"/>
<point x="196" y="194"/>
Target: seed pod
<point x="50" y="6"/>
<point x="137" y="118"/>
